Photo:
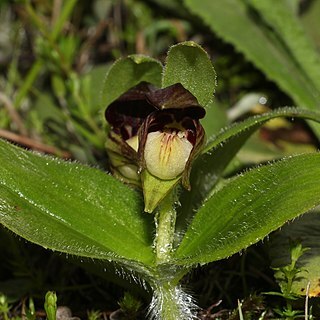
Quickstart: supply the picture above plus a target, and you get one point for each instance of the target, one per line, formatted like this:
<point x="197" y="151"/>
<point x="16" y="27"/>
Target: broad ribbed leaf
<point x="250" y="207"/>
<point x="305" y="230"/>
<point x="187" y="63"/>
<point x="127" y="72"/>
<point x="72" y="208"/>
<point x="236" y="22"/>
<point x="208" y="168"/>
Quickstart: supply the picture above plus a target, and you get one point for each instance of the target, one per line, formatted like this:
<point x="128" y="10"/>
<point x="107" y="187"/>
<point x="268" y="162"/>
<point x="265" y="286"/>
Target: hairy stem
<point x="165" y="224"/>
<point x="169" y="301"/>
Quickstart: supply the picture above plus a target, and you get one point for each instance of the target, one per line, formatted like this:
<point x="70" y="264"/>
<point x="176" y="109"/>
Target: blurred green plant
<point x="30" y="311"/>
<point x="7" y="311"/>
<point x="286" y="276"/>
<point x="298" y="273"/>
<point x="4" y="307"/>
<point x="94" y="315"/>
<point x="130" y="308"/>
<point x="67" y="118"/>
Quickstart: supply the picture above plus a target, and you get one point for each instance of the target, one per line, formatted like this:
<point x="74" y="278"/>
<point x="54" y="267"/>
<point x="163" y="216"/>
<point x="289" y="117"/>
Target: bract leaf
<point x="249" y="207"/>
<point x="127" y="72"/>
<point x="72" y="208"/>
<point x="155" y="189"/>
<point x="187" y="63"/>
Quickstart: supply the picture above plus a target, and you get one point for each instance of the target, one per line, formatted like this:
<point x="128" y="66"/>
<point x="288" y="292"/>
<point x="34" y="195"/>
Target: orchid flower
<point x="155" y="136"/>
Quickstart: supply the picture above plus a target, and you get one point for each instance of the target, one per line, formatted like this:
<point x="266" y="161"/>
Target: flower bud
<point x="50" y="305"/>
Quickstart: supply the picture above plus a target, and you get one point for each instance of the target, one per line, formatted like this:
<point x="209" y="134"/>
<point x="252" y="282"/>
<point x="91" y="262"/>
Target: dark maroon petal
<point x="127" y="116"/>
<point x="176" y="97"/>
<point x="197" y="147"/>
<point x="159" y="120"/>
<point x="138" y="92"/>
<point x="127" y="113"/>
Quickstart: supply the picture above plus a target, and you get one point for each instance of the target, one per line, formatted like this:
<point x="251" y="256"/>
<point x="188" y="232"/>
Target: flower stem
<point x="165" y="224"/>
<point x="169" y="301"/>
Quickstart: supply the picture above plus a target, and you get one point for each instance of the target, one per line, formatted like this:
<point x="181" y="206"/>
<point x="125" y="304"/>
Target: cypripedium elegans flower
<point x="155" y="135"/>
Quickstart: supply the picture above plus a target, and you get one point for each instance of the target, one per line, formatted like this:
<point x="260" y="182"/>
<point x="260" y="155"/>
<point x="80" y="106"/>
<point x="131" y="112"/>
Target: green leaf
<point x="306" y="230"/>
<point x="251" y="206"/>
<point x="289" y="28"/>
<point x="209" y="167"/>
<point x="127" y="72"/>
<point x="72" y="208"/>
<point x="236" y="22"/>
<point x="187" y="63"/>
